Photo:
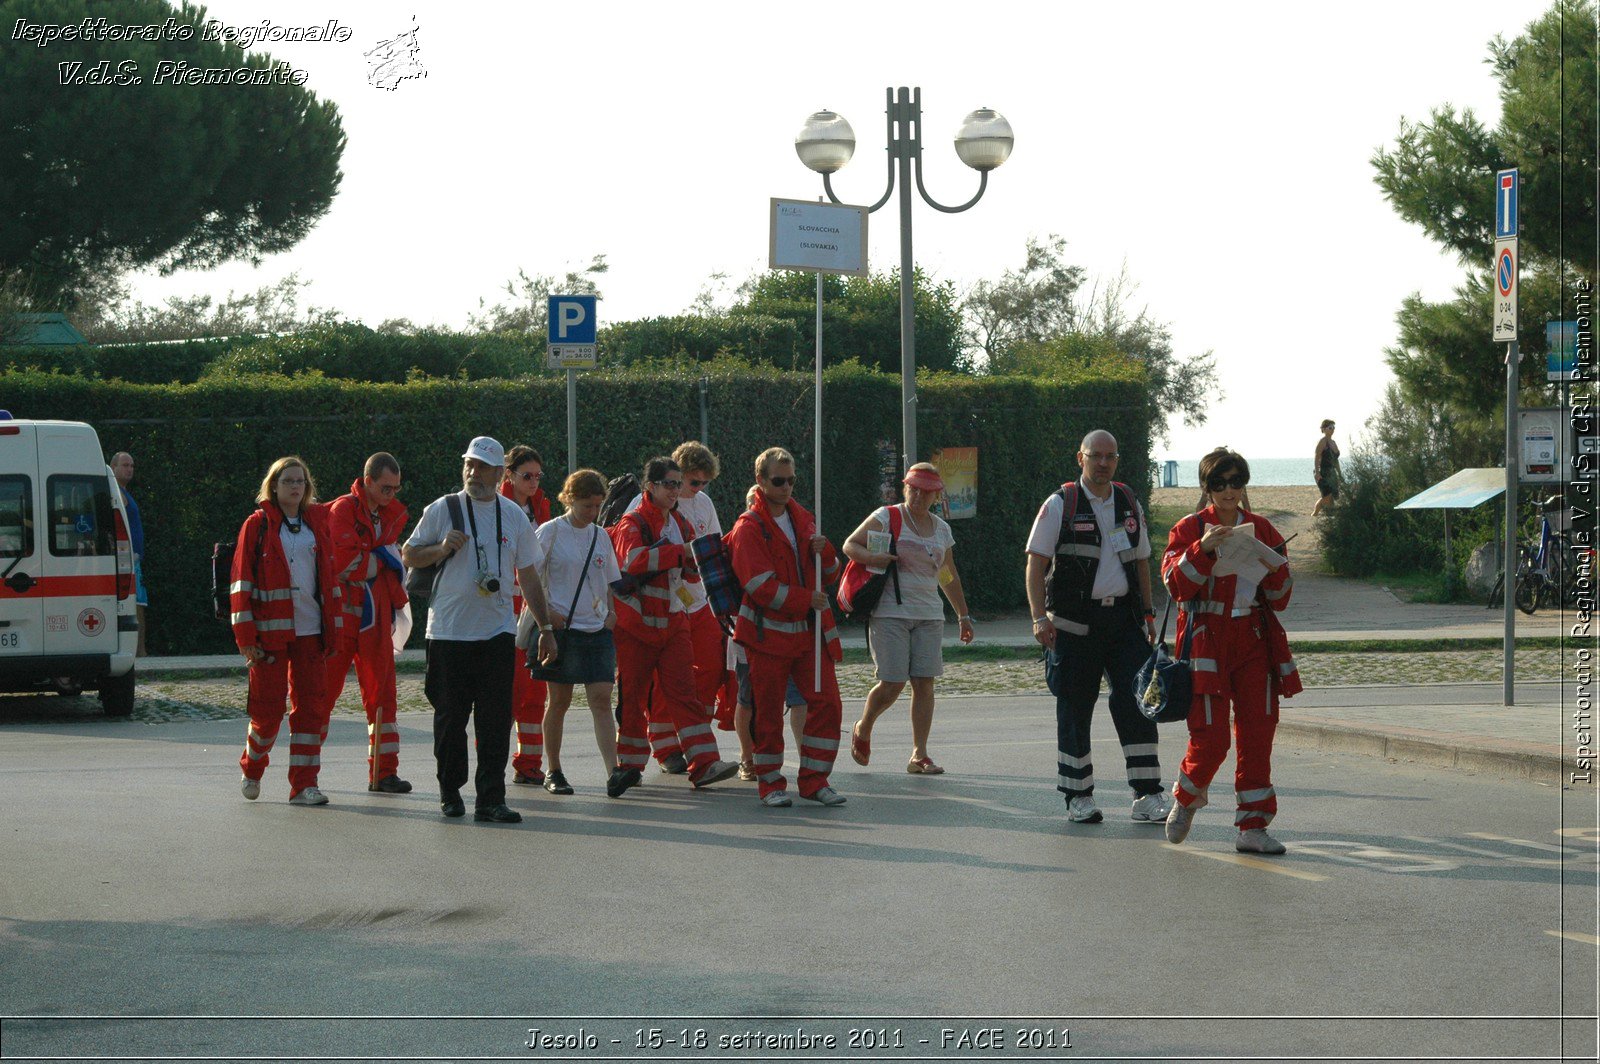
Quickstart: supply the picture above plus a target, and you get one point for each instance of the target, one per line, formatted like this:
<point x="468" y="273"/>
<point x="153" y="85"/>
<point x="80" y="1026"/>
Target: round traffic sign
<point x="1505" y="272"/>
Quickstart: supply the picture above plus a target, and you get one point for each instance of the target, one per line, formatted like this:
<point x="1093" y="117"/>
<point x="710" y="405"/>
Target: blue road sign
<point x="572" y="319"/>
<point x="1505" y="204"/>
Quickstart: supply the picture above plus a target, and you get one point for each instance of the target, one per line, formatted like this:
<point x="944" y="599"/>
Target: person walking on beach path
<point x="122" y="468"/>
<point x="524" y="470"/>
<point x="1325" y="468"/>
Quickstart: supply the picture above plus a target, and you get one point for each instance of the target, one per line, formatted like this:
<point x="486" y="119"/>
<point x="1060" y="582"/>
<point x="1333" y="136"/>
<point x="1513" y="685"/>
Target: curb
<point x="1531" y="761"/>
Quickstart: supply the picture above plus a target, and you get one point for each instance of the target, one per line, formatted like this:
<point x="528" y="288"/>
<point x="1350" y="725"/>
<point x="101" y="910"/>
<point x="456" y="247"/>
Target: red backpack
<point x="860" y="588"/>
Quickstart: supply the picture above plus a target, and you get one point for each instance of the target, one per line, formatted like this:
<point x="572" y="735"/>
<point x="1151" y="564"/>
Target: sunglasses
<point x="1236" y="482"/>
<point x="673" y="484"/>
<point x="388" y="489"/>
<point x="695" y="482"/>
<point x="782" y="482"/>
<point x="530" y="477"/>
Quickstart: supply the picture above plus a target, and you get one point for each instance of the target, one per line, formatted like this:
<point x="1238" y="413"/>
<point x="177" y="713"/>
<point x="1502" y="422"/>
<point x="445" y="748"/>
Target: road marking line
<point x="1535" y="862"/>
<point x="1518" y="842"/>
<point x="1576" y="936"/>
<point x="1249" y="862"/>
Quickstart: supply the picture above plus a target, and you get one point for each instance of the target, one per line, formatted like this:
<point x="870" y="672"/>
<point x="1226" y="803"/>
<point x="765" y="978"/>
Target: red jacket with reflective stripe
<point x="540" y="506"/>
<point x="261" y="596"/>
<point x="1186" y="570"/>
<point x="647" y="613"/>
<point x="774" y="617"/>
<point x="352" y="540"/>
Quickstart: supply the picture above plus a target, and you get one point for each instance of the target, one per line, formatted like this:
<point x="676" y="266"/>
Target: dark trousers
<point x="1115" y="648"/>
<point x="471" y="679"/>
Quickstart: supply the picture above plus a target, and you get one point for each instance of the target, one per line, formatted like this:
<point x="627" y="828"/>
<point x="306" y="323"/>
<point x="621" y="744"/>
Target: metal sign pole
<point x="816" y="672"/>
<point x="572" y="421"/>
<point x="1509" y="666"/>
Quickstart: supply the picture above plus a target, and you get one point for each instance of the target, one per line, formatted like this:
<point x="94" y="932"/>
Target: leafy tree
<point x="1438" y="175"/>
<point x="528" y="309"/>
<point x="1039" y="321"/>
<point x="1026" y="305"/>
<point x="99" y="179"/>
<point x="860" y="317"/>
<point x="273" y="308"/>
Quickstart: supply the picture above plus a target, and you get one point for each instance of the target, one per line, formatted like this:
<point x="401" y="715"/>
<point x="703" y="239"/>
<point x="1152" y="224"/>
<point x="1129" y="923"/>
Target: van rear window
<point x="81" y="521"/>
<point x="16" y="516"/>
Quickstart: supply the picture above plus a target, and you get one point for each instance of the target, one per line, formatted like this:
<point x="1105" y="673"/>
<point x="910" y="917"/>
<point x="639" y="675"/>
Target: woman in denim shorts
<point x="906" y="636"/>
<point x="578" y="566"/>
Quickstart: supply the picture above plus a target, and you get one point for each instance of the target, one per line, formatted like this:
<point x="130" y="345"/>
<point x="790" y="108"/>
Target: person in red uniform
<point x="774" y="546"/>
<point x="1240" y="654"/>
<point x="365" y="527"/>
<point x="286" y="613"/>
<point x="653" y="637"/>
<point x="524" y="469"/>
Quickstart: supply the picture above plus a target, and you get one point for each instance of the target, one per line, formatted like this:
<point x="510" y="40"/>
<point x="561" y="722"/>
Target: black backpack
<point x="222" y="574"/>
<point x="421" y="582"/>
<point x="619" y="493"/>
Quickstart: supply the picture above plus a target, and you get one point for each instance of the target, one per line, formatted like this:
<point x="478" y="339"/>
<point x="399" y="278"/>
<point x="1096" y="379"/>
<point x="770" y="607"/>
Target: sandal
<point x="860" y="749"/>
<point x="923" y="766"/>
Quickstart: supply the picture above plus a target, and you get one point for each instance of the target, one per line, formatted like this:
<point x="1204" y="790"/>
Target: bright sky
<point x="1219" y="150"/>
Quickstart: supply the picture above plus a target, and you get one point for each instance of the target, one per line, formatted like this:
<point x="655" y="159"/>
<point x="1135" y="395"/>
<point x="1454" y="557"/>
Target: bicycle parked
<point x="1542" y="576"/>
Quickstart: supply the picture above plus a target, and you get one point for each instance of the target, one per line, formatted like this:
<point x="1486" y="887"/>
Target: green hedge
<point x="202" y="448"/>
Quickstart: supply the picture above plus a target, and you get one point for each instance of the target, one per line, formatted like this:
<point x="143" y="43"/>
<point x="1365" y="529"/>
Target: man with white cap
<point x="471" y="627"/>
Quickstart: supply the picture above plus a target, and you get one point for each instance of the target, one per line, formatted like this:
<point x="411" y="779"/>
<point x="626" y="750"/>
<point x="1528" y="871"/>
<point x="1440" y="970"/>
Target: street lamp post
<point x="826" y="142"/>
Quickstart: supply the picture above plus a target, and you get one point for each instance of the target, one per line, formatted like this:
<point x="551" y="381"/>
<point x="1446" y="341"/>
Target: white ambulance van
<point x="68" y="619"/>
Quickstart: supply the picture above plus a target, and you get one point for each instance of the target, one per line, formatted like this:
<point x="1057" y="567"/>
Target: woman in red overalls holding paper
<point x="1226" y="567"/>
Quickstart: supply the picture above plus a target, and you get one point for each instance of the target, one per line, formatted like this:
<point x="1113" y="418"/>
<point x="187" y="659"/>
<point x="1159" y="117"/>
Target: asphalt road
<point x="1419" y="912"/>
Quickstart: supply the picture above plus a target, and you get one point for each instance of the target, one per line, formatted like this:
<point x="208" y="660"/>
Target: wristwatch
<point x="547" y="628"/>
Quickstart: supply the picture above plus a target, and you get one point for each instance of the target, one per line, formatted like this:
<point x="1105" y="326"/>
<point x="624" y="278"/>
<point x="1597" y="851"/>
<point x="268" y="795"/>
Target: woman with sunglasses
<point x="906" y="630"/>
<point x="287" y="617"/>
<point x="524" y="468"/>
<point x="699" y="467"/>
<point x="1240" y="653"/>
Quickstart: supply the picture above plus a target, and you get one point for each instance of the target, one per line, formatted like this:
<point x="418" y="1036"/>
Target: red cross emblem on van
<point x="90" y="621"/>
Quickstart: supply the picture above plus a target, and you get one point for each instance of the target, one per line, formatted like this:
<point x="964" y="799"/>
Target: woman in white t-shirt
<point x="578" y="565"/>
<point x="906" y="631"/>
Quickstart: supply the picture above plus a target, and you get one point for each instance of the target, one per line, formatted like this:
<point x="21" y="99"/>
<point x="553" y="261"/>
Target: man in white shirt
<point x="472" y="629"/>
<point x="1089" y="591"/>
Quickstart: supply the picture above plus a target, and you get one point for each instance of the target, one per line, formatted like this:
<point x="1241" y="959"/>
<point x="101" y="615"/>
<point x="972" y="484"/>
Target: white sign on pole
<point x="571" y="356"/>
<point x="1540" y="430"/>
<point x="1505" y="290"/>
<point x="817" y="237"/>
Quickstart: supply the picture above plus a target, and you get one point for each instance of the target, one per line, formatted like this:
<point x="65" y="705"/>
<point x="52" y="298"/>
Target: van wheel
<point x="116" y="694"/>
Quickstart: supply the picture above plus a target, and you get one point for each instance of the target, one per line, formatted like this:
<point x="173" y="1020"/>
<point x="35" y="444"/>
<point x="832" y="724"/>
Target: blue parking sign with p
<point x="1505" y="204"/>
<point x="572" y="319"/>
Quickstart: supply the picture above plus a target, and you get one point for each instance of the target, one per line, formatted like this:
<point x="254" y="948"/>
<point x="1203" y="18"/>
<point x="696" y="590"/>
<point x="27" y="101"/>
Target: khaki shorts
<point x="903" y="648"/>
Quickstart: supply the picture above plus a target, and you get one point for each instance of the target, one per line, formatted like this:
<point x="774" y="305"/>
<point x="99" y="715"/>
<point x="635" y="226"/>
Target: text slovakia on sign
<point x="817" y="237"/>
<point x="572" y="331"/>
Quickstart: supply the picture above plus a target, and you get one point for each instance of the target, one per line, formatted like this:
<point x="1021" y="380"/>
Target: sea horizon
<point x="1267" y="472"/>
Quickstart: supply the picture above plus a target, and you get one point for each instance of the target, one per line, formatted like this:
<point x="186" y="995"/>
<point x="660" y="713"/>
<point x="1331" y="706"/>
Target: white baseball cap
<point x="487" y="450"/>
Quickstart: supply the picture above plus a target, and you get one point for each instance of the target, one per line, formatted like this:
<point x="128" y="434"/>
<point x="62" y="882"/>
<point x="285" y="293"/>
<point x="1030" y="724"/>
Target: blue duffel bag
<point x="1165" y="683"/>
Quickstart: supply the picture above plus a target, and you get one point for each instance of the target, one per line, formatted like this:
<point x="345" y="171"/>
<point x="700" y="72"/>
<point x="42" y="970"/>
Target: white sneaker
<point x="826" y="796"/>
<point x="776" y="799"/>
<point x="250" y="788"/>
<point x="309" y="796"/>
<point x="716" y="772"/>
<point x="1179" y="821"/>
<point x="1256" y="840"/>
<point x="1082" y="810"/>
<point x="1152" y="808"/>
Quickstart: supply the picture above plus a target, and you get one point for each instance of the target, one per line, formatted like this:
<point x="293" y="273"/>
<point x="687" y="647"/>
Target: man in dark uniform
<point x="1089" y="592"/>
